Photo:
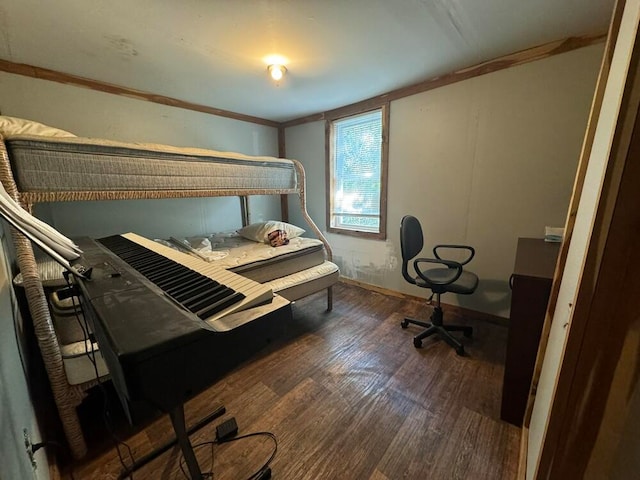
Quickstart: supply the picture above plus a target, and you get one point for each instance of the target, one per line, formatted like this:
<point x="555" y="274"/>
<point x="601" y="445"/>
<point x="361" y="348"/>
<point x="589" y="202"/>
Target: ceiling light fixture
<point x="276" y="71"/>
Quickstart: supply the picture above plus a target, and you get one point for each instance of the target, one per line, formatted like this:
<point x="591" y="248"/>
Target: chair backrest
<point x="411" y="243"/>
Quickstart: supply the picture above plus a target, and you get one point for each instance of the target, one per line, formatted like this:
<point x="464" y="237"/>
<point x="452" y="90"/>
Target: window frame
<point x="384" y="167"/>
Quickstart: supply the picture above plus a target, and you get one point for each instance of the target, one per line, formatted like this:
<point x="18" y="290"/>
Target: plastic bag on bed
<point x="202" y="246"/>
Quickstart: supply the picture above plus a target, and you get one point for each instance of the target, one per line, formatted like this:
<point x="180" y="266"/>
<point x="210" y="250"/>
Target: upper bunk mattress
<point x="74" y="164"/>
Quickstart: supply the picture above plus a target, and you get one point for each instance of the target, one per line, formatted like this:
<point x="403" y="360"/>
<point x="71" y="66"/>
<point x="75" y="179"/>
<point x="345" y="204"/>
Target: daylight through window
<point x="357" y="175"/>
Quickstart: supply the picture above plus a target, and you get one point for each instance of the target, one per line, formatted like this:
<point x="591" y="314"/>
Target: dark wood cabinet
<point x="531" y="286"/>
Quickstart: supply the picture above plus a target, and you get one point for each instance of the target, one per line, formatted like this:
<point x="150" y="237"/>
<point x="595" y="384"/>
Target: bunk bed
<point x="55" y="166"/>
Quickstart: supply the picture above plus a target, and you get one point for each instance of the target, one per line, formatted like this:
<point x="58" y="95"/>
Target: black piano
<point x="157" y="336"/>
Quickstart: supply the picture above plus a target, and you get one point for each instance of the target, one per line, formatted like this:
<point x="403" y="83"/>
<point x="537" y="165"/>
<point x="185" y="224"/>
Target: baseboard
<point x="465" y="312"/>
<point x="374" y="288"/>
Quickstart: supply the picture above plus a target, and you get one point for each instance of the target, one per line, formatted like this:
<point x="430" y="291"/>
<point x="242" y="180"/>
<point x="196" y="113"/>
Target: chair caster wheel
<point x="404" y="324"/>
<point x="468" y="332"/>
<point x="417" y="343"/>
<point x="460" y="351"/>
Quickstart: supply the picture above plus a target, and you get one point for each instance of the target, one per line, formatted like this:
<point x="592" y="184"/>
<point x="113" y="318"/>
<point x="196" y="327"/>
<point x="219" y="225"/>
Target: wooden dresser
<point x="531" y="284"/>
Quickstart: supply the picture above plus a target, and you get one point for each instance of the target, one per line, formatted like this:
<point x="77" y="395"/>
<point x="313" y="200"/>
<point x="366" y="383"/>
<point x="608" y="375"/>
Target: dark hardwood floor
<point x="348" y="397"/>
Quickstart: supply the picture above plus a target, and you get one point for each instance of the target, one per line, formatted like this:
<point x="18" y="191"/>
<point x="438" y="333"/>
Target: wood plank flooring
<point x="348" y="397"/>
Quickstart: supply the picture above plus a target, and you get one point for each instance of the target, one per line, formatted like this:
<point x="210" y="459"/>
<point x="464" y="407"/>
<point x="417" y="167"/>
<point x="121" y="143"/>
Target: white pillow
<point x="258" y="232"/>
<point x="19" y="126"/>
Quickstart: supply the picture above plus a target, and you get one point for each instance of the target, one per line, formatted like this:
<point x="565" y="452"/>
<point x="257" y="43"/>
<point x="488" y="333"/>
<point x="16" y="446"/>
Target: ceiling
<point x="213" y="52"/>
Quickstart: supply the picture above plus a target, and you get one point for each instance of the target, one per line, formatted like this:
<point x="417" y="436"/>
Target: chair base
<point x="436" y="327"/>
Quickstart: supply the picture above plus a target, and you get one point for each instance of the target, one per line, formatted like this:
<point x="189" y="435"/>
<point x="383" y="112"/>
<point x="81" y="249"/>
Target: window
<point x="357" y="168"/>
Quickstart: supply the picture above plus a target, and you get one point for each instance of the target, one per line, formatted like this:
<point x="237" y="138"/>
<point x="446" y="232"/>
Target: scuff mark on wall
<point x="372" y="266"/>
<point x="121" y="45"/>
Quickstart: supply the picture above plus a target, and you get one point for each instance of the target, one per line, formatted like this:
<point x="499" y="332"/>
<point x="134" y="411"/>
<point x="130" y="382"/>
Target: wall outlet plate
<point x="29" y="448"/>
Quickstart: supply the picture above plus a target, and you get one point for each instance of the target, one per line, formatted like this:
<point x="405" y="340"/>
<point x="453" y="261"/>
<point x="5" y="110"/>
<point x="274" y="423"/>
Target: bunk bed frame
<point x="68" y="397"/>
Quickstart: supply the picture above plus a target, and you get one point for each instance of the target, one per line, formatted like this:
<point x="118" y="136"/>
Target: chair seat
<point x="464" y="285"/>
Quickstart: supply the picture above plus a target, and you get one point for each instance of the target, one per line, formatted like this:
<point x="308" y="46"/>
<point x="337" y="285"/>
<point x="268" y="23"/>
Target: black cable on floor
<point x="262" y="473"/>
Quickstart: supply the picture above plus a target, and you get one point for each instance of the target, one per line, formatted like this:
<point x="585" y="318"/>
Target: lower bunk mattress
<point x="258" y="261"/>
<point x="308" y="281"/>
<point x="293" y="271"/>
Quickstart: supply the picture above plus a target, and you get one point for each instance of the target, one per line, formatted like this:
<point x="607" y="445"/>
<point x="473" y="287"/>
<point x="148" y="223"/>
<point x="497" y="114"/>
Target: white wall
<point x="16" y="410"/>
<point x="95" y="114"/>
<point x="91" y="113"/>
<point x="306" y="143"/>
<point x="482" y="162"/>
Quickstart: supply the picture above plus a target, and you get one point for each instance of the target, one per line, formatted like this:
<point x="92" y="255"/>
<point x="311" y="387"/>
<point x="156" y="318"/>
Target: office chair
<point x="447" y="277"/>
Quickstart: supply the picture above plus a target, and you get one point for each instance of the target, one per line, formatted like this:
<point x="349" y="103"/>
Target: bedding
<point x="77" y="365"/>
<point x="305" y="282"/>
<point x="49" y="272"/>
<point x="19" y="126"/>
<point x="292" y="271"/>
<point x="256" y="260"/>
<point x="260" y="232"/>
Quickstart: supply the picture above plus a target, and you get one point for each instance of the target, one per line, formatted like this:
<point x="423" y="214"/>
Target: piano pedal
<point x="226" y="430"/>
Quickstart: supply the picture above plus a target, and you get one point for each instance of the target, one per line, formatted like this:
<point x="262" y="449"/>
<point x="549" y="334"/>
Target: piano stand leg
<point x="160" y="450"/>
<point x="177" y="419"/>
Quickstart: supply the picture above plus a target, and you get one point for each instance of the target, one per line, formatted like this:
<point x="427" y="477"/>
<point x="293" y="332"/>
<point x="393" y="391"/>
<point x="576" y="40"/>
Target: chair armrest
<point x="471" y="250"/>
<point x="448" y="263"/>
